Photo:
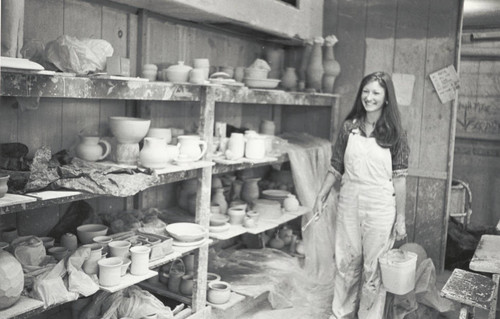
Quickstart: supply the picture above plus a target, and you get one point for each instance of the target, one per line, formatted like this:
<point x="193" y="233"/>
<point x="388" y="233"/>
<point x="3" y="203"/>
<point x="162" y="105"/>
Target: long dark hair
<point x="388" y="128"/>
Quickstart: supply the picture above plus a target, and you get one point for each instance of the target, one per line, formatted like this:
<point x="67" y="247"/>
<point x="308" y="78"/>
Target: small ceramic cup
<point x="110" y="271"/>
<point x="119" y="248"/>
<point x="140" y="260"/>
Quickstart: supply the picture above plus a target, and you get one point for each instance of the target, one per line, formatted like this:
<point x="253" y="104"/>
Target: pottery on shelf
<point x="255" y="146"/>
<point x="186" y="285"/>
<point x="154" y="153"/>
<point x="4" y="178"/>
<point x="160" y="132"/>
<point x="90" y="266"/>
<point x="219" y="292"/>
<point x="250" y="189"/>
<point x="178" y="72"/>
<point x="236" y="215"/>
<point x="267" y="127"/>
<point x="149" y="71"/>
<point x="69" y="241"/>
<point x="12" y="282"/>
<point x="139" y="255"/>
<point x="235" y="146"/>
<point x="128" y="131"/>
<point x="110" y="270"/>
<point x="219" y="199"/>
<point x="314" y="70"/>
<point x="330" y="66"/>
<point x="291" y="203"/>
<point x="301" y="72"/>
<point x="290" y="80"/>
<point x="191" y="147"/>
<point x="92" y="148"/>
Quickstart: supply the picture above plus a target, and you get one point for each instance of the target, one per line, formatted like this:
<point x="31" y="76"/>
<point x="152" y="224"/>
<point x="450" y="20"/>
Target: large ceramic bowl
<point x="129" y="130"/>
<point x="87" y="232"/>
<point x="186" y="232"/>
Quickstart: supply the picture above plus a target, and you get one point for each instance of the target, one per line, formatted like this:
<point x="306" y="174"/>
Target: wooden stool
<point x="472" y="290"/>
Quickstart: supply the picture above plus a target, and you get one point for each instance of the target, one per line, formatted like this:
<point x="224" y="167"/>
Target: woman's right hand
<point x="318" y="206"/>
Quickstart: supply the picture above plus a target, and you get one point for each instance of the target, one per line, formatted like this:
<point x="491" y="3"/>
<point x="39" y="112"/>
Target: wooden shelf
<point x="236" y="166"/>
<point x="57" y="86"/>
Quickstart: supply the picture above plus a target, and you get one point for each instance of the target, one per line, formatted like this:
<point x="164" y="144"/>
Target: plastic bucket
<point x="398" y="271"/>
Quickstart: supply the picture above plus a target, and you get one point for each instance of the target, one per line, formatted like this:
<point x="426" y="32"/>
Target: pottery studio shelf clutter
<point x="29" y="84"/>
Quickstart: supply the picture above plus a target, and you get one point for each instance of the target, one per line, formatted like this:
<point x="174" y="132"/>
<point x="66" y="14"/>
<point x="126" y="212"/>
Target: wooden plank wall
<point x="414" y="37"/>
<point x="57" y="122"/>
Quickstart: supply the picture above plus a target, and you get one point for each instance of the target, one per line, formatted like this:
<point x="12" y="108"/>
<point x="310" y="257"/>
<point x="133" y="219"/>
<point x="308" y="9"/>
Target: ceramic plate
<point x="188" y="244"/>
<point x="275" y="193"/>
<point x="219" y="229"/>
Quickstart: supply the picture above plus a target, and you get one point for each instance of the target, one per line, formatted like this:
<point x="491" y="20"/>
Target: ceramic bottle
<point x="306" y="54"/>
<point x="330" y="65"/>
<point x="314" y="70"/>
<point x="289" y="81"/>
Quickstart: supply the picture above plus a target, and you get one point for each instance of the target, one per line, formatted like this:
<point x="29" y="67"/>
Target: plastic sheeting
<point x="310" y="159"/>
<point x="292" y="293"/>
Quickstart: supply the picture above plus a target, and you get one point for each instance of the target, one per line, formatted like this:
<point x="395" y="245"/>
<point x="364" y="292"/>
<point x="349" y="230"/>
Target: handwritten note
<point x="446" y="82"/>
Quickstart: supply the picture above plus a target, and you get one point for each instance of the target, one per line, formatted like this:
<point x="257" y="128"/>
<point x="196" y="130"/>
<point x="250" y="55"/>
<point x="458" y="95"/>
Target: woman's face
<point x="373" y="97"/>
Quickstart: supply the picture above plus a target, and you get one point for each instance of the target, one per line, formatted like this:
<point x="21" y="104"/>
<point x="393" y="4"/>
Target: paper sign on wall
<point x="446" y="82"/>
<point x="403" y="85"/>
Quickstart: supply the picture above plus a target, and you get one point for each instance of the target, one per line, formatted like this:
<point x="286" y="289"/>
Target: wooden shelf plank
<point x="129" y="280"/>
<point x="233" y="231"/>
<point x="231" y="167"/>
<point x="57" y="86"/>
<point x="265" y="224"/>
<point x="15" y="199"/>
<point x="23" y="308"/>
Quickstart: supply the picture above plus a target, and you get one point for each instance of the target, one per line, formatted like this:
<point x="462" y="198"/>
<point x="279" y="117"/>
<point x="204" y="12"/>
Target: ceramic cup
<point x="197" y="76"/>
<point x="110" y="271"/>
<point x="140" y="260"/>
<point x="119" y="248"/>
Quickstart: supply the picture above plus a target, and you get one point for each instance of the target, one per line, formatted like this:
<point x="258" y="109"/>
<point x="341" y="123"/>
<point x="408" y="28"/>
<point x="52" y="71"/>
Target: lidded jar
<point x="178" y="72"/>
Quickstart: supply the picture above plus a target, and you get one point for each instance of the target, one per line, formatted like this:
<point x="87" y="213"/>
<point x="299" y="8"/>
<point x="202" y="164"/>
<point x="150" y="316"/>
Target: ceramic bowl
<point x="275" y="194"/>
<point x="186" y="232"/>
<point x="261" y="83"/>
<point x="218" y="219"/>
<point x="129" y="130"/>
<point x="87" y="232"/>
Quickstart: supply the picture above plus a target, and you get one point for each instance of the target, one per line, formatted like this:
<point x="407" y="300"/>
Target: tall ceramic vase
<point x="289" y="80"/>
<point x="330" y="66"/>
<point x="301" y="73"/>
<point x="314" y="70"/>
<point x="250" y="190"/>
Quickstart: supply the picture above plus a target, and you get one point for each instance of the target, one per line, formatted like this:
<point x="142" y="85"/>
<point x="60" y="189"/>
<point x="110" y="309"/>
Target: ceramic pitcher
<point x="191" y="147"/>
<point x="154" y="153"/>
<point x="92" y="148"/>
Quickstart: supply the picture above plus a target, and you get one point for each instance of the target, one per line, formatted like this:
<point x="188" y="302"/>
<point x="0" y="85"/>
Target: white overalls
<point x="365" y="217"/>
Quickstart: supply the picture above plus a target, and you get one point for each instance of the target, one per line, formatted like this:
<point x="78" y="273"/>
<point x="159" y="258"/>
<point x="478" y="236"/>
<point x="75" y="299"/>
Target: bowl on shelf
<point x="186" y="232"/>
<point x="256" y="73"/>
<point x="87" y="232"/>
<point x="218" y="219"/>
<point x="129" y="130"/>
<point x="275" y="194"/>
<point x="261" y="83"/>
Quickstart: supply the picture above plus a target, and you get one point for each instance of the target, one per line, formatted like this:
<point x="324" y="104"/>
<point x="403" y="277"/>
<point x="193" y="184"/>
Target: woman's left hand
<point x="400" y="228"/>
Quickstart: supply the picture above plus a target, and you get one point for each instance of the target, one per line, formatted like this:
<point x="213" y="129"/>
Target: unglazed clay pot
<point x="219" y="292"/>
<point x="12" y="282"/>
<point x="154" y="153"/>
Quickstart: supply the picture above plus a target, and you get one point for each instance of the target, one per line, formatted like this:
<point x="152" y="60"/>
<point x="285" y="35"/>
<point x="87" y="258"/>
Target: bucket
<point x="398" y="271"/>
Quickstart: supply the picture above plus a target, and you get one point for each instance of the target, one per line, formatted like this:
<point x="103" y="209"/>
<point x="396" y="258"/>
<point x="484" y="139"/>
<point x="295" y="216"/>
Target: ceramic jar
<point x="110" y="271"/>
<point x="330" y="66"/>
<point x="140" y="260"/>
<point x="235" y="146"/>
<point x="250" y="190"/>
<point x="236" y="215"/>
<point x="219" y="292"/>
<point x="4" y="178"/>
<point x="197" y="76"/>
<point x="289" y="81"/>
<point x="154" y="153"/>
<point x="202" y="64"/>
<point x="178" y="72"/>
<point x="186" y="285"/>
<point x="219" y="199"/>
<point x="306" y="54"/>
<point x="255" y="146"/>
<point x="70" y="241"/>
<point x="314" y="71"/>
<point x="291" y="203"/>
<point x="119" y="248"/>
<point x="12" y="282"/>
<point x="149" y="71"/>
<point x="90" y="266"/>
<point x="267" y="127"/>
<point x="191" y="147"/>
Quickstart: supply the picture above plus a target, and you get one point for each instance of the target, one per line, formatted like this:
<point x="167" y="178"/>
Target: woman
<point x="370" y="159"/>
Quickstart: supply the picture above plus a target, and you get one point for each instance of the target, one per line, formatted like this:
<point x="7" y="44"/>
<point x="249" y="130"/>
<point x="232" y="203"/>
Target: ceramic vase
<point x="330" y="66"/>
<point x="306" y="54"/>
<point x="274" y="56"/>
<point x="250" y="190"/>
<point x="290" y="80"/>
<point x="90" y="266"/>
<point x="4" y="178"/>
<point x="314" y="70"/>
<point x="12" y="282"/>
<point x="154" y="153"/>
<point x="218" y="198"/>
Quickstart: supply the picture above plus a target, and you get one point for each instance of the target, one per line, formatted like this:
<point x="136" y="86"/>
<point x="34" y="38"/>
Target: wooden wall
<point x="57" y="122"/>
<point x="413" y="37"/>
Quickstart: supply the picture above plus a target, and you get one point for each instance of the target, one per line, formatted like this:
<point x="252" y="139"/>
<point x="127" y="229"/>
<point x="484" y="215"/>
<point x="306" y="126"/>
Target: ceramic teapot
<point x="92" y="148"/>
<point x="191" y="148"/>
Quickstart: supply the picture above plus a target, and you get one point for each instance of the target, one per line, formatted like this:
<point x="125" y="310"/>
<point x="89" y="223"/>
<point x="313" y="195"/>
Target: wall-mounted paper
<point x="446" y="82"/>
<point x="403" y="85"/>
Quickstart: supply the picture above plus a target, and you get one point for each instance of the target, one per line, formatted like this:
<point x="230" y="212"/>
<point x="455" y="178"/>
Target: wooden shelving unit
<point x="19" y="84"/>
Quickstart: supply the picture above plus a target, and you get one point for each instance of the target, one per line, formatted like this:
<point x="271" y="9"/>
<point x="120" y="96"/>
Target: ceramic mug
<point x="140" y="260"/>
<point x="110" y="271"/>
<point x="119" y="248"/>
